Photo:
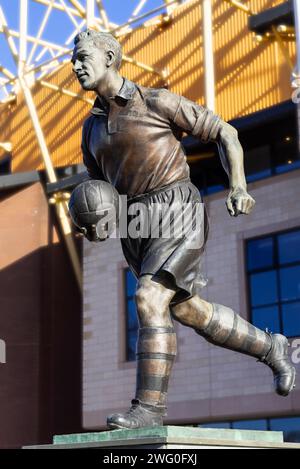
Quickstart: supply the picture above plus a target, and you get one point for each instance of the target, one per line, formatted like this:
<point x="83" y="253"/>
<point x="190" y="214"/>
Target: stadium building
<point x="67" y="312"/>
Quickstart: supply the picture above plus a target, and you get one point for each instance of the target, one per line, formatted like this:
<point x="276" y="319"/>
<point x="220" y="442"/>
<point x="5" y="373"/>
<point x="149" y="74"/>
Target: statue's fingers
<point x="245" y="206"/>
<point x="239" y="205"/>
<point x="250" y="205"/>
<point x="230" y="207"/>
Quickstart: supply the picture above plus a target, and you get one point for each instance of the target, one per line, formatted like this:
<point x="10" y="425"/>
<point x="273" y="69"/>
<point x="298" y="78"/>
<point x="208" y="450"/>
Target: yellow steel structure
<point x="249" y="76"/>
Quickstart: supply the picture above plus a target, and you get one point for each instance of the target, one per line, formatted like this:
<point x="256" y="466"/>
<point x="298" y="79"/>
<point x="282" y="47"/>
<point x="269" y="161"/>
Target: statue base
<point x="170" y="437"/>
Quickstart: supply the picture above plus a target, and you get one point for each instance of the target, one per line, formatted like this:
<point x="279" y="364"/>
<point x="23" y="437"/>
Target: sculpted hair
<point x="102" y="40"/>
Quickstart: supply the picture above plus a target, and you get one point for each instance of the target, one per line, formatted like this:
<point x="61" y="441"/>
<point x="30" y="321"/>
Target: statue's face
<point x="89" y="65"/>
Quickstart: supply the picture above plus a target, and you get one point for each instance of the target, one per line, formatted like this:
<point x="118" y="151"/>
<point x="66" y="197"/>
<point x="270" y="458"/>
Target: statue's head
<point x="94" y="54"/>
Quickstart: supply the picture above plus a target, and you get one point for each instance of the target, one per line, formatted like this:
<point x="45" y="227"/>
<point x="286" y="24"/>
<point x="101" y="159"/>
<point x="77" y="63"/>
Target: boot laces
<point x="134" y="405"/>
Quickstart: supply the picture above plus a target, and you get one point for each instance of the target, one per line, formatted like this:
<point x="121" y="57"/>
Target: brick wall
<point x="207" y="382"/>
<point x="40" y="322"/>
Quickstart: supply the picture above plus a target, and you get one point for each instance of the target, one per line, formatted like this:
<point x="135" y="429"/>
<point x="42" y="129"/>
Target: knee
<point x="152" y="309"/>
<point x="194" y="312"/>
<point x="142" y="299"/>
<point x="148" y="299"/>
<point x="180" y="313"/>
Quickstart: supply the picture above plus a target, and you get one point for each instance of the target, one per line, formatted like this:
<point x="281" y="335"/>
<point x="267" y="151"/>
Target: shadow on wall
<point x="40" y="322"/>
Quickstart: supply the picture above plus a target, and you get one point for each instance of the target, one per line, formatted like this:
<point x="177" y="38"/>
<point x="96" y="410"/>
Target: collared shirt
<point x="133" y="140"/>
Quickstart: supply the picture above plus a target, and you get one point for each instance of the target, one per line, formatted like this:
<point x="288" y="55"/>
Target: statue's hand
<point x="239" y="201"/>
<point x="91" y="234"/>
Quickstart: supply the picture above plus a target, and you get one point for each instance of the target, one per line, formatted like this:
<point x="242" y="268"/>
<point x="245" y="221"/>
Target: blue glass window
<point x="289" y="247"/>
<point x="285" y="154"/>
<point x="259" y="175"/>
<point x="250" y="424"/>
<point x="290" y="283"/>
<point x="290" y="427"/>
<point x="267" y="318"/>
<point x="273" y="268"/>
<point x="215" y="188"/>
<point x="260" y="253"/>
<point x="131" y="315"/>
<point x="258" y="163"/>
<point x="291" y="319"/>
<point x="269" y="149"/>
<point x="130" y="283"/>
<point x="263" y="287"/>
<point x="215" y="425"/>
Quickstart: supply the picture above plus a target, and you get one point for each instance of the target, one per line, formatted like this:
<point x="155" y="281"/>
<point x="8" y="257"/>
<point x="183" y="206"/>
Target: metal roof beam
<point x="279" y="15"/>
<point x="145" y="15"/>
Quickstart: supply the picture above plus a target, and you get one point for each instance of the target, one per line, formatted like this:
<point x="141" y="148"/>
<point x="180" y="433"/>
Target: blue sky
<point x="59" y="26"/>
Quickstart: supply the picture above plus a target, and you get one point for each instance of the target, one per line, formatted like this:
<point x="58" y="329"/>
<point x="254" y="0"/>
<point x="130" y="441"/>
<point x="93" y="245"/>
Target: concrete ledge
<point x="169" y="437"/>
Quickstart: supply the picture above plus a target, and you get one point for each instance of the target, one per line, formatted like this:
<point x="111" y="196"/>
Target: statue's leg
<point x="156" y="351"/>
<point x="221" y="326"/>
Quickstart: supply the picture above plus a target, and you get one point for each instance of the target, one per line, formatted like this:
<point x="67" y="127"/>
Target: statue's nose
<point x="76" y="66"/>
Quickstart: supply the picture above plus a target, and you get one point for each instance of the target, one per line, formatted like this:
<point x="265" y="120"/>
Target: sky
<point x="59" y="25"/>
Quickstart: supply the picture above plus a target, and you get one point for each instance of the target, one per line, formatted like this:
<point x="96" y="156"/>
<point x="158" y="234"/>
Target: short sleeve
<point x="188" y="116"/>
<point x="89" y="161"/>
<point x="197" y="120"/>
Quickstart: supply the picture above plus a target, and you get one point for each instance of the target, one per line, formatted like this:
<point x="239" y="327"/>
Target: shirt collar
<point x="126" y="92"/>
<point x="127" y="89"/>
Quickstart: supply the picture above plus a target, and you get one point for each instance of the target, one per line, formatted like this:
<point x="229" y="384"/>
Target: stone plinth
<point x="171" y="437"/>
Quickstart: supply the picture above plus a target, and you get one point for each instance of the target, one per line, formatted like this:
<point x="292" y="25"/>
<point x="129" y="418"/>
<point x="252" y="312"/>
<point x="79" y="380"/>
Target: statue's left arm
<point x="232" y="158"/>
<point x="202" y="123"/>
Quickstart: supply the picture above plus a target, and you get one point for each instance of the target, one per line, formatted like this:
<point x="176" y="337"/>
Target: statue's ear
<point x="110" y="58"/>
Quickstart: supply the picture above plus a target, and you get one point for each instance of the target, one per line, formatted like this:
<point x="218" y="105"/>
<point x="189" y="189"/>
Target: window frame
<point x="126" y="299"/>
<point x="275" y="266"/>
<point x="268" y="421"/>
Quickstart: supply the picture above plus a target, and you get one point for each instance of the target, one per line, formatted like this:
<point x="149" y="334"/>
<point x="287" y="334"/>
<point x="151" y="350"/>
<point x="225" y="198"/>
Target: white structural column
<point x="27" y="93"/>
<point x="6" y="146"/>
<point x="6" y="72"/>
<point x="90" y="13"/>
<point x="65" y="91"/>
<point x="40" y="31"/>
<point x="296" y="72"/>
<point x="61" y="208"/>
<point x="38" y="130"/>
<point x="50" y="45"/>
<point x="138" y="8"/>
<point x="172" y="7"/>
<point x="103" y="14"/>
<point x="23" y="35"/>
<point x="145" y="15"/>
<point x="58" y="6"/>
<point x="209" y="73"/>
<point x="10" y="41"/>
